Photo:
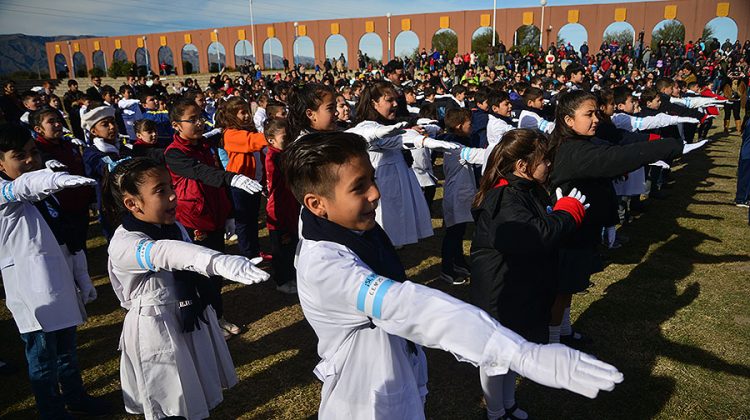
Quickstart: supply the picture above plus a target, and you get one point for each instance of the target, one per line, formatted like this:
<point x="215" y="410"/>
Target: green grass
<point x="670" y="311"/>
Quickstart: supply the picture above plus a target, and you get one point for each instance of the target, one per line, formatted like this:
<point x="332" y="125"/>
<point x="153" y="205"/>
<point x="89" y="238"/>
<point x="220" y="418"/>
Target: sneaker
<point x="743" y="204"/>
<point x="288" y="288"/>
<point x="229" y="327"/>
<point x="90" y="406"/>
<point x="462" y="271"/>
<point x="454" y="279"/>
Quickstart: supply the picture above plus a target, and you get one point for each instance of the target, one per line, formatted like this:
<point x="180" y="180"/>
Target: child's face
<point x="50" y="128"/>
<point x="576" y="77"/>
<point x="484" y="106"/>
<point x="54" y="103"/>
<point x="342" y="109"/>
<point x="608" y="109"/>
<point x="654" y="103"/>
<point x="156" y="201"/>
<point x="386" y="105"/>
<point x="278" y="140"/>
<point x="15" y="163"/>
<point x="243" y="116"/>
<point x="411" y="98"/>
<point x="106" y="129"/>
<point x="323" y="118"/>
<point x="354" y="199"/>
<point x="465" y="128"/>
<point x="503" y="108"/>
<point x="200" y="100"/>
<point x="147" y="136"/>
<point x="126" y="94"/>
<point x="537" y="103"/>
<point x="279" y="113"/>
<point x="150" y="103"/>
<point x="628" y="107"/>
<point x="32" y="103"/>
<point x="190" y="126"/>
<point x="109" y="98"/>
<point x="584" y="121"/>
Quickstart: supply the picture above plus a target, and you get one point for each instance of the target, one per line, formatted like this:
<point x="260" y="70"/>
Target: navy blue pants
<point x="743" y="181"/>
<point x="246" y="213"/>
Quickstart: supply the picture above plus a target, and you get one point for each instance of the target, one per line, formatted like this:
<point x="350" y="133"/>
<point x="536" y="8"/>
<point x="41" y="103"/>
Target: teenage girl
<point x="514" y="253"/>
<point x="174" y="359"/>
<point x="578" y="162"/>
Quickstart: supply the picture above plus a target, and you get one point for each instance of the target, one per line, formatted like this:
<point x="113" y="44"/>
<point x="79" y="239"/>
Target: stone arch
<point x="98" y="61"/>
<point x="143" y="62"/>
<point x="622" y="32"/>
<point x="406" y="44"/>
<point x="61" y="66"/>
<point x="335" y="46"/>
<point x="573" y="33"/>
<point x="243" y="53"/>
<point x="304" y="51"/>
<point x="445" y="39"/>
<point x="217" y="57"/>
<point x="372" y="45"/>
<point x="119" y="55"/>
<point x="721" y="28"/>
<point x="481" y="41"/>
<point x="273" y="54"/>
<point x="667" y="30"/>
<point x="190" y="59"/>
<point x="166" y="59"/>
<point x="526" y="38"/>
<point x="79" y="62"/>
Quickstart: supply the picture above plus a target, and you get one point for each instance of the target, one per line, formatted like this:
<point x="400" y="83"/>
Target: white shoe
<point x="454" y="280"/>
<point x="228" y="327"/>
<point x="288" y="288"/>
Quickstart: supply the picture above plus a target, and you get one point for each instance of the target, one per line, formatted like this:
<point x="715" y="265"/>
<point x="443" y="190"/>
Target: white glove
<point x="661" y="164"/>
<point x="230" y="228"/>
<point x="82" y="279"/>
<point x="78" y="142"/>
<point x="693" y="146"/>
<point x="65" y="180"/>
<point x="426" y="121"/>
<point x="559" y="366"/>
<point x="438" y="144"/>
<point x="249" y="185"/>
<point x="574" y="193"/>
<point x="389" y="130"/>
<point x="688" y="120"/>
<point x="237" y="268"/>
<point x="55" y="165"/>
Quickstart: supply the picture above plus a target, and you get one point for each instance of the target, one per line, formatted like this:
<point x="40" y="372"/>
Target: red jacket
<point x="282" y="209"/>
<point x="200" y="206"/>
<point x="74" y="200"/>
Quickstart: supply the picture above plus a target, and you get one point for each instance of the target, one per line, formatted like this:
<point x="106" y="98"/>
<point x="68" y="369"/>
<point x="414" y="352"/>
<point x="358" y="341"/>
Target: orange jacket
<point x="240" y="146"/>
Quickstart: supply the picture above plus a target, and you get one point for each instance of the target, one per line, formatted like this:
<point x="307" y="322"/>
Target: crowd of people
<point x="545" y="157"/>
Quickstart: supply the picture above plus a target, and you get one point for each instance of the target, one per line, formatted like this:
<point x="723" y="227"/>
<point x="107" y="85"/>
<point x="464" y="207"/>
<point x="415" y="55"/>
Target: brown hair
<point x="226" y="115"/>
<point x="372" y="93"/>
<point x="144" y="125"/>
<point x="522" y="144"/>
<point x="455" y="117"/>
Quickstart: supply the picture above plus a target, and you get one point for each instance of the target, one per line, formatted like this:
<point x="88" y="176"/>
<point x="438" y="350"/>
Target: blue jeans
<point x="246" y="213"/>
<point x="53" y="367"/>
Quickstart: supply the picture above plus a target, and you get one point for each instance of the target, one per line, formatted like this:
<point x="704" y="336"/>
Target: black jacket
<point x="583" y="164"/>
<point x="514" y="255"/>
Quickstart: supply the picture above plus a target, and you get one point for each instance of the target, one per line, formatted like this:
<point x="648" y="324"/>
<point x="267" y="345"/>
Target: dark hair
<point x="179" y="108"/>
<point x="495" y="99"/>
<point x="663" y="83"/>
<point x="428" y="110"/>
<point x="226" y="115"/>
<point x="29" y="94"/>
<point x="273" y="106"/>
<point x="648" y="95"/>
<point x="573" y="69"/>
<point x="455" y="117"/>
<point x="144" y="125"/>
<point x="191" y="94"/>
<point x="13" y="137"/>
<point x="307" y="161"/>
<point x="532" y="94"/>
<point x="124" y="87"/>
<point x="621" y="94"/>
<point x="604" y="97"/>
<point x="458" y="89"/>
<point x="310" y="96"/>
<point x="72" y="82"/>
<point x="274" y="126"/>
<point x="365" y="110"/>
<point x="108" y="90"/>
<point x="282" y="88"/>
<point x="36" y="117"/>
<point x="567" y="104"/>
<point x="127" y="177"/>
<point x="525" y="144"/>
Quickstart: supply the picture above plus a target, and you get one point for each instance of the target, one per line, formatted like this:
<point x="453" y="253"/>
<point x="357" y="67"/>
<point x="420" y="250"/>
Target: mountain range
<point x="20" y="52"/>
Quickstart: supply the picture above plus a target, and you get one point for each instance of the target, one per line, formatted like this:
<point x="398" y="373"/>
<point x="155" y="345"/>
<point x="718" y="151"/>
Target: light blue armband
<point x="371" y="294"/>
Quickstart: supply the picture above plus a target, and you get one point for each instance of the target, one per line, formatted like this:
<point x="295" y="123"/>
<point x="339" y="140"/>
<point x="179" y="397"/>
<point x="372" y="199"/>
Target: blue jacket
<point x="164" y="129"/>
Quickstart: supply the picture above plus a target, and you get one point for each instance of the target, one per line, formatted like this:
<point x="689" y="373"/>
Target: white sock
<point x="611" y="236"/>
<point x="509" y="395"/>
<point x="565" y="328"/>
<point x="554" y="334"/>
<point x="492" y="387"/>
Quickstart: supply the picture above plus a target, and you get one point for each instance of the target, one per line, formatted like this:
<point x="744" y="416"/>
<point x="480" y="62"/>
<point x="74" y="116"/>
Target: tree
<point x="97" y="72"/>
<point x="623" y="37"/>
<point x="708" y="33"/>
<point x="481" y="42"/>
<point x="445" y="40"/>
<point x="527" y="39"/>
<point x="670" y="31"/>
<point x="120" y="68"/>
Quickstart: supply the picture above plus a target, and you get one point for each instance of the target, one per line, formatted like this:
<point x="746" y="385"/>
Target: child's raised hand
<point x="439" y="144"/>
<point x="249" y="185"/>
<point x="238" y="269"/>
<point x="559" y="366"/>
<point x="65" y="180"/>
<point x="55" y="165"/>
<point x="574" y="194"/>
<point x="389" y="130"/>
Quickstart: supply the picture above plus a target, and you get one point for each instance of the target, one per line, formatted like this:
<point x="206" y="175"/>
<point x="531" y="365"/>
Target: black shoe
<point x="576" y="340"/>
<point x="90" y="406"/>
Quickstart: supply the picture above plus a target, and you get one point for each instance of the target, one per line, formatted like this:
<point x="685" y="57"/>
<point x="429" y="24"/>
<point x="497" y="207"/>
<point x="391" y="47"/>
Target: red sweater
<point x="282" y="209"/>
<point x="74" y="200"/>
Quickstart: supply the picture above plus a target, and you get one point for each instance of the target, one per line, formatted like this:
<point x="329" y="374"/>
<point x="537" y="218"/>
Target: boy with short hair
<point x="371" y="321"/>
<point x="530" y="117"/>
<point x="131" y="110"/>
<point x="150" y="103"/>
<point x="39" y="277"/>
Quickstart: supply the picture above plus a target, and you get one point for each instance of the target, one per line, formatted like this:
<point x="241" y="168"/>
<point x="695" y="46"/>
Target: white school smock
<point x="370" y="373"/>
<point x="496" y="129"/>
<point x="460" y="184"/>
<point x="39" y="284"/>
<point x="422" y="167"/>
<point x="163" y="371"/>
<point x="131" y="112"/>
<point x="403" y="211"/>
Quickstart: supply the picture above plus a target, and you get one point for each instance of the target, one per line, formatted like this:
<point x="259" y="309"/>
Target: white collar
<point x="105" y="147"/>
